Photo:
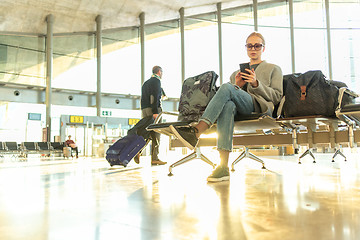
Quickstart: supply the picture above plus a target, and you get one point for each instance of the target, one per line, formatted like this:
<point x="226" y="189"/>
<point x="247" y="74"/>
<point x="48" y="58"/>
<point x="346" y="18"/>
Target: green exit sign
<point x="106" y="113"/>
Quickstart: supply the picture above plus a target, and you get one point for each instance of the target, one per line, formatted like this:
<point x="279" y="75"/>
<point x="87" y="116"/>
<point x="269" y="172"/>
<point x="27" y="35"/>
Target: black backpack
<point x="308" y="94"/>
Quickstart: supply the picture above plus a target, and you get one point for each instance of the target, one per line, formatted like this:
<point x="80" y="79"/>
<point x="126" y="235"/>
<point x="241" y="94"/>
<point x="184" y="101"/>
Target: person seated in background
<point x="71" y="143"/>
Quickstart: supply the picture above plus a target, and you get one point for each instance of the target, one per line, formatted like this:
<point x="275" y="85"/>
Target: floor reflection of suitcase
<point x="67" y="152"/>
<point x="125" y="149"/>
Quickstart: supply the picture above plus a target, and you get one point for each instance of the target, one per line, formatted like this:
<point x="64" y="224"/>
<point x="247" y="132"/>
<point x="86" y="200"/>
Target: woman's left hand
<point x="250" y="78"/>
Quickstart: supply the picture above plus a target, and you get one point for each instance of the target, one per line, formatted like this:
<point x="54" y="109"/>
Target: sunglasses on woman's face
<point x="256" y="46"/>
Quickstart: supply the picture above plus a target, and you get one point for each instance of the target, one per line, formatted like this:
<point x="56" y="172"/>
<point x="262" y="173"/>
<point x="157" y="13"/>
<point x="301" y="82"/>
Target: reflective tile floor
<point x="84" y="199"/>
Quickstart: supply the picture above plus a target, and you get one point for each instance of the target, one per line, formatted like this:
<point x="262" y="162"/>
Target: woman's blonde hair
<point x="256" y="34"/>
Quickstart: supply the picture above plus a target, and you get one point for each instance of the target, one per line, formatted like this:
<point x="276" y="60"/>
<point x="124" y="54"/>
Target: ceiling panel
<point x="28" y="16"/>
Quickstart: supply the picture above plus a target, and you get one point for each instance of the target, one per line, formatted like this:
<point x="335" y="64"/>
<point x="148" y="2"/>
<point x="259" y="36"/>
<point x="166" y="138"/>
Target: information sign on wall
<point x="76" y="119"/>
<point x="34" y="116"/>
<point x="106" y="113"/>
<point x="133" y="121"/>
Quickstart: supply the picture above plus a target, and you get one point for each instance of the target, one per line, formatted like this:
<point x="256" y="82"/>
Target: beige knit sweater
<point x="270" y="89"/>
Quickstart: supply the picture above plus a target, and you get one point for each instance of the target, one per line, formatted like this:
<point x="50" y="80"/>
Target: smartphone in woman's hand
<point x="244" y="66"/>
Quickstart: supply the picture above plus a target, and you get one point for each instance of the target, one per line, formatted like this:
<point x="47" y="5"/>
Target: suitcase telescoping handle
<point x="136" y="148"/>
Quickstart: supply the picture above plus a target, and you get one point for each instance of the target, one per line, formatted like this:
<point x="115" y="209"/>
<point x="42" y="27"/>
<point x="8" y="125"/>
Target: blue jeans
<point x="228" y="101"/>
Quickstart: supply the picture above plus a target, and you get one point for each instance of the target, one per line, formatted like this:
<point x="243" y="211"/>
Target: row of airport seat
<point x="24" y="148"/>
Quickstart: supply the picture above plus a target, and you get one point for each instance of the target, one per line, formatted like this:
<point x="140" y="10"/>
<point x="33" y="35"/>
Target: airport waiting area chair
<point x="23" y="149"/>
<point x="263" y="130"/>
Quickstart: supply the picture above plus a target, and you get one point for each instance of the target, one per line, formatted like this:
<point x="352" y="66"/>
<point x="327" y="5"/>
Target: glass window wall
<point x="22" y="60"/>
<point x="162" y="48"/>
<point x="121" y="62"/>
<point x="237" y="24"/>
<point x="274" y="25"/>
<point x="345" y="36"/>
<point x="201" y="45"/>
<point x="310" y="36"/>
<point x="74" y="64"/>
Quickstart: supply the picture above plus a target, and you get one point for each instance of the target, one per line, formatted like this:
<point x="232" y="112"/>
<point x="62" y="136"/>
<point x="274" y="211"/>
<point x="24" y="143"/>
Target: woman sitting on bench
<point x="258" y="91"/>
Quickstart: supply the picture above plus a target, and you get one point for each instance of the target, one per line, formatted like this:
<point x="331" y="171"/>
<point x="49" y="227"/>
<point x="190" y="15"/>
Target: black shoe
<point x="187" y="135"/>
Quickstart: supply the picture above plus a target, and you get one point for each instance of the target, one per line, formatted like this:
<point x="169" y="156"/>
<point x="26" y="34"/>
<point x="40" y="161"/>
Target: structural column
<point x="49" y="73"/>
<point x="292" y="39"/>
<point x="255" y="7"/>
<point x="218" y="5"/>
<point x="182" y="48"/>
<point x="327" y="10"/>
<point x="142" y="46"/>
<point x="98" y="20"/>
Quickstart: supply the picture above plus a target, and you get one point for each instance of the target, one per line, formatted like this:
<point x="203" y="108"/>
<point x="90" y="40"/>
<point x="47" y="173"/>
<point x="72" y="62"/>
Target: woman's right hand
<point x="239" y="80"/>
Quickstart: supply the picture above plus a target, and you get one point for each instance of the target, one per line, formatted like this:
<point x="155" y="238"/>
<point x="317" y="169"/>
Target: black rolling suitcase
<point x="125" y="149"/>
